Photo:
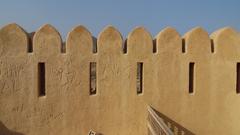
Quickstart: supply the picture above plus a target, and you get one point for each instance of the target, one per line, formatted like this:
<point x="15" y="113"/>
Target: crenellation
<point x="168" y="41"/>
<point x="9" y="36"/>
<point x="226" y="42"/>
<point x="109" y="41"/>
<point x="139" y="43"/>
<point x="79" y="41"/>
<point x="197" y="42"/>
<point x="47" y="42"/>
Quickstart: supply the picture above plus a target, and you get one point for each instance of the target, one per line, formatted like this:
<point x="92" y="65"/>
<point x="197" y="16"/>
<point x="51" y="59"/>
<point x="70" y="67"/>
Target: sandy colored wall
<point x="116" y="108"/>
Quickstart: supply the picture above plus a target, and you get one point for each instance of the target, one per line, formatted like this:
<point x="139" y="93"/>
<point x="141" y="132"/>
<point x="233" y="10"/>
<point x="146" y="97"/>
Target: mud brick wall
<point x="105" y="84"/>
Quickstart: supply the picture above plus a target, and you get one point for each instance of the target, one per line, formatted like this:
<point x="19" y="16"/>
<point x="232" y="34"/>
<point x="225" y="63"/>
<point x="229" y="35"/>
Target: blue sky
<point x="154" y="15"/>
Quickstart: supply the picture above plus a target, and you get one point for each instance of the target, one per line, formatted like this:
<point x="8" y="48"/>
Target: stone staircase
<point x="159" y="124"/>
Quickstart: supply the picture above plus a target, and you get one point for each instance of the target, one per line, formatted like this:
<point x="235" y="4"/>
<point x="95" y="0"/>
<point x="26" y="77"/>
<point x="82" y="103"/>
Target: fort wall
<point x="106" y="83"/>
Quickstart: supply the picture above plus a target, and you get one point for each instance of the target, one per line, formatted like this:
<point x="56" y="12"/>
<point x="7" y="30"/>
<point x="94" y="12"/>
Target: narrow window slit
<point x="93" y="78"/>
<point x="125" y="47"/>
<point x="191" y="77"/>
<point x="212" y="46"/>
<point x="94" y="48"/>
<point x="41" y="79"/>
<point x="139" y="78"/>
<point x="154" y="46"/>
<point x="183" y="46"/>
<point x="30" y="40"/>
<point x="238" y="79"/>
<point x="63" y="47"/>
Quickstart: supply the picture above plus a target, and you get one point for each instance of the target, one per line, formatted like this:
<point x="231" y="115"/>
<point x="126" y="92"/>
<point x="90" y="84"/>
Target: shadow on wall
<point x="5" y="131"/>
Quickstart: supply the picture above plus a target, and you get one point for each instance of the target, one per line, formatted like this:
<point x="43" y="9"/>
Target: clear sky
<point x="154" y="15"/>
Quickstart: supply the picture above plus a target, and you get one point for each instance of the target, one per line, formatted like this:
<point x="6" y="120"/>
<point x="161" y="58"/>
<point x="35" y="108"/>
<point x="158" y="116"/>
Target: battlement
<point x="105" y="84"/>
<point x="156" y="45"/>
